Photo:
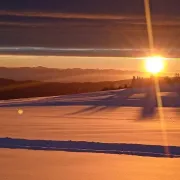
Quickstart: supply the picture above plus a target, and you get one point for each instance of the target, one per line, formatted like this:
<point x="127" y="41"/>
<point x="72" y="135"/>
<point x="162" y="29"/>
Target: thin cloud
<point x="70" y="15"/>
<point x="21" y="24"/>
<point x="124" y="19"/>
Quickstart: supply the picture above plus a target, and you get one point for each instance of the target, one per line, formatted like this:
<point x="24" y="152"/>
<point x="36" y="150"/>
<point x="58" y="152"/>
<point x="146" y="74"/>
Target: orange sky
<point x="80" y="62"/>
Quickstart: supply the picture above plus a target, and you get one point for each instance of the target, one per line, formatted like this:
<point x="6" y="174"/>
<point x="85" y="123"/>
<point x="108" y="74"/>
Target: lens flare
<point x="20" y="111"/>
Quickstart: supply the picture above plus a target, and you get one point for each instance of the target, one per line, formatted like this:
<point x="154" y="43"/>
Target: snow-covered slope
<point x="123" y="122"/>
<point x="115" y="98"/>
<point x="124" y="116"/>
<point x="43" y="165"/>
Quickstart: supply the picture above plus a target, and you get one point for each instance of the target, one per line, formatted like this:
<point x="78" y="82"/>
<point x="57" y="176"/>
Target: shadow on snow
<point x="90" y="147"/>
<point x="101" y="101"/>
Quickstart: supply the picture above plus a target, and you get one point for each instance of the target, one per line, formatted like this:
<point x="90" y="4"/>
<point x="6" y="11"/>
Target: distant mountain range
<point x="66" y="75"/>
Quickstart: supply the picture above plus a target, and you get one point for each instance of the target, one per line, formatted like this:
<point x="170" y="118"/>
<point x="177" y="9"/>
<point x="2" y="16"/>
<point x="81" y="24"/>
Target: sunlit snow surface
<point x="111" y="116"/>
<point x="67" y="128"/>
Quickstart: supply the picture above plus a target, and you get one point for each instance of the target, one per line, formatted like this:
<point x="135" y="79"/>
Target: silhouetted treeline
<point x="173" y="80"/>
<point x="10" y="89"/>
<point x="140" y="82"/>
<point x="63" y="75"/>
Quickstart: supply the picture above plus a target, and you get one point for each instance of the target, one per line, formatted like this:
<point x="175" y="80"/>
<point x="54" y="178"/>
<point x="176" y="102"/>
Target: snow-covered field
<point x="55" y="137"/>
<point x="45" y="165"/>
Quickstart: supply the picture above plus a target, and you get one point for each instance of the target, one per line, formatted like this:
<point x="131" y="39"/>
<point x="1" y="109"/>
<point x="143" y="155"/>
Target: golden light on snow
<point x="154" y="64"/>
<point x="20" y="111"/>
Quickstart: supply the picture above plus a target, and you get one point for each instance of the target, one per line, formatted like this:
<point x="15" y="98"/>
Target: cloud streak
<point x="85" y="30"/>
<point x="70" y="15"/>
<point x="24" y="18"/>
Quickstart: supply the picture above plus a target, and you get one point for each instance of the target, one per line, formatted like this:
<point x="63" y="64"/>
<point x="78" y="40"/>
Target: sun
<point x="154" y="64"/>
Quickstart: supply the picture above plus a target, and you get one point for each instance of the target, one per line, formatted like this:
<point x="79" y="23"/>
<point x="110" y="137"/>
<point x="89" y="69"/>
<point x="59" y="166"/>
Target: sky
<point x="64" y="62"/>
<point x="87" y="24"/>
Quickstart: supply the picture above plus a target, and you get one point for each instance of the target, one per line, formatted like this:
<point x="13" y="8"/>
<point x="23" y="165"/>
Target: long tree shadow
<point x="177" y="98"/>
<point x="91" y="147"/>
<point x="100" y="99"/>
<point x="114" y="101"/>
<point x="149" y="103"/>
<point x="104" y="101"/>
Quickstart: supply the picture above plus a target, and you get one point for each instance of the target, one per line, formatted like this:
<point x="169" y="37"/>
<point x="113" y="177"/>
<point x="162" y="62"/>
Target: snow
<point x="45" y="165"/>
<point x="81" y="120"/>
<point x="109" y="125"/>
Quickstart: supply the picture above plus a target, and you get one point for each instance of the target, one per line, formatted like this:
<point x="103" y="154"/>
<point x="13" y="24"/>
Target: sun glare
<point x="154" y="64"/>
